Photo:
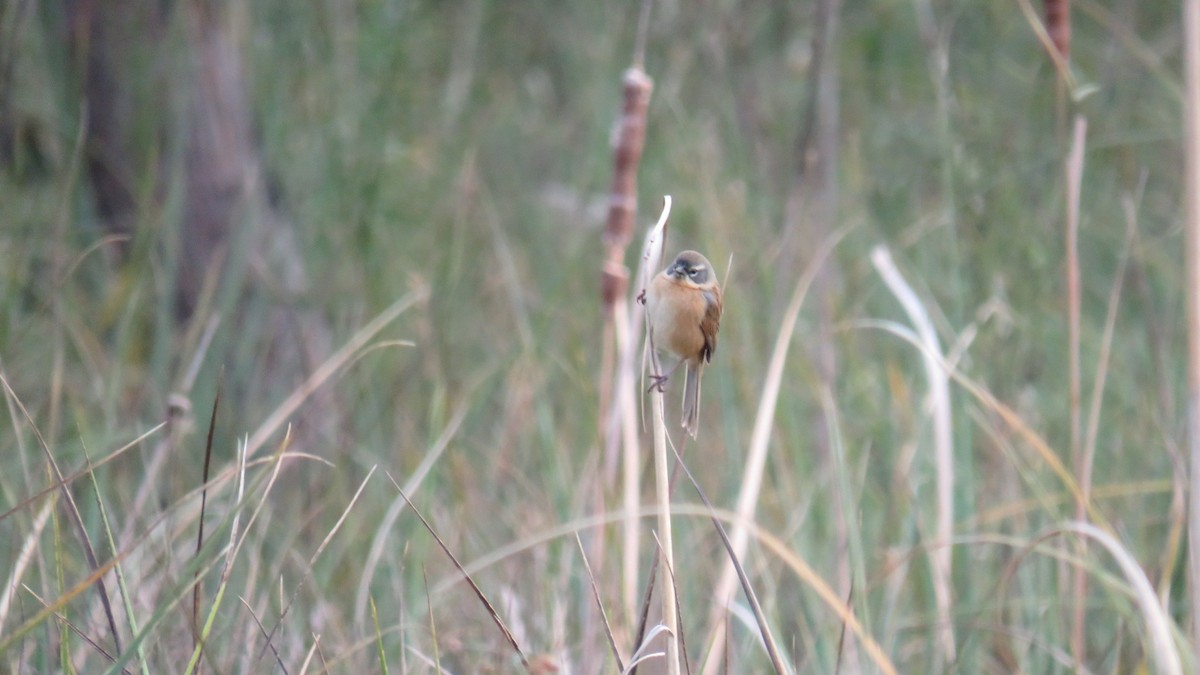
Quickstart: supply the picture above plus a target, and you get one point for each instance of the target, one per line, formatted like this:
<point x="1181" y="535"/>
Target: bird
<point x="683" y="309"/>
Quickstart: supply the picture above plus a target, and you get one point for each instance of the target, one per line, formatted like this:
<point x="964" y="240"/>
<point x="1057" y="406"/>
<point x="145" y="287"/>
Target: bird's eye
<point x="693" y="273"/>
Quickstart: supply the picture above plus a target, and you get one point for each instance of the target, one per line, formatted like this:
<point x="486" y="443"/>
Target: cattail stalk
<point x="614" y="284"/>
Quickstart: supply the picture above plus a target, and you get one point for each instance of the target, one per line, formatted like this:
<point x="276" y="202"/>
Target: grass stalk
<point x="662" y="487"/>
<point x="122" y="586"/>
<point x="1158" y="623"/>
<point x="230" y="554"/>
<point x="208" y="447"/>
<point x="379" y="542"/>
<point x="625" y="418"/>
<point x="76" y="517"/>
<point x="509" y="637"/>
<point x="1074" y="179"/>
<point x="1191" y="190"/>
<point x="756" y="460"/>
<point x="751" y="597"/>
<point x="943" y="443"/>
<point x="383" y="666"/>
<point x="612" y="644"/>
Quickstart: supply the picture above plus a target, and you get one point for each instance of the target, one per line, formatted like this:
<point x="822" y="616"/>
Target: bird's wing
<point x="710" y="325"/>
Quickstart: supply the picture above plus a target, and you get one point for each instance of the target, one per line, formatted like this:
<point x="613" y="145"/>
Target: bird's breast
<point x="675" y="313"/>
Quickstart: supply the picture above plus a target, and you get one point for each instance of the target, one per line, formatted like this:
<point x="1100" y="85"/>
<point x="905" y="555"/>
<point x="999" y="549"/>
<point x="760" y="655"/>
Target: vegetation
<point x="446" y="166"/>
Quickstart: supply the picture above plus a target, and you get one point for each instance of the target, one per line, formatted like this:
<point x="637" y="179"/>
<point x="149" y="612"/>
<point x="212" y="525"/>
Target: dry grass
<point x="447" y="173"/>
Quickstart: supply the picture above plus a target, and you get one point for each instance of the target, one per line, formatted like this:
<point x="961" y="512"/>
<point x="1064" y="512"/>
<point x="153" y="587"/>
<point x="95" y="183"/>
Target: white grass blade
<point x="943" y="441"/>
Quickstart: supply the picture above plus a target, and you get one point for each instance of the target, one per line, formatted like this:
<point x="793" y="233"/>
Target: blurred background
<point x="204" y="194"/>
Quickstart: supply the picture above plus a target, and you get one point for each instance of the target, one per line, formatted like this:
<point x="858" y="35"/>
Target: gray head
<point x="691" y="267"/>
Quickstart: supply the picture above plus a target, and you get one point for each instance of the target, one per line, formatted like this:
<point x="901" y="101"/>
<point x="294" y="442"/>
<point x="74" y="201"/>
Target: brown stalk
<point x="618" y="341"/>
<point x="508" y="636"/>
<point x="1058" y="25"/>
<point x="622" y="208"/>
<point x="759" y="616"/>
<point x="612" y="643"/>
<point x="76" y="518"/>
<point x="75" y="629"/>
<point x="208" y="445"/>
<point x="263" y="630"/>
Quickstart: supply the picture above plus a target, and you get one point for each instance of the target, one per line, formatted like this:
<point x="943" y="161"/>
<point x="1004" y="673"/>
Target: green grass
<point x="463" y="148"/>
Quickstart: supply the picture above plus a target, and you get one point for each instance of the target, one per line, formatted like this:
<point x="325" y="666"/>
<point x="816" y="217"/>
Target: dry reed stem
<point x="625" y="412"/>
<point x="612" y="643"/>
<point x="626" y="420"/>
<point x="1158" y="623"/>
<point x="1191" y="191"/>
<point x="1074" y="178"/>
<point x="23" y="559"/>
<point x="313" y="650"/>
<point x="662" y="489"/>
<point x="680" y="639"/>
<point x="800" y="567"/>
<point x="756" y="460"/>
<point x="662" y="485"/>
<point x="943" y="442"/>
<point x="178" y="425"/>
<point x="642" y="654"/>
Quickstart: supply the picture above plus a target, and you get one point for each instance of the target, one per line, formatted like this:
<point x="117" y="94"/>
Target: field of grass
<point x="446" y="166"/>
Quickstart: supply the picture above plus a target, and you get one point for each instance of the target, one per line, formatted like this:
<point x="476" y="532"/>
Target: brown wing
<point x="710" y="325"/>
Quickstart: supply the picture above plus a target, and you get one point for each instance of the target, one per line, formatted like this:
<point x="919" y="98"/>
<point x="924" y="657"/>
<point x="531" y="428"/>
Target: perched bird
<point x="683" y="305"/>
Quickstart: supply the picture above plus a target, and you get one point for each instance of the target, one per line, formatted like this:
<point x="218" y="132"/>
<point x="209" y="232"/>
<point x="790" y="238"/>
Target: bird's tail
<point x="691" y="399"/>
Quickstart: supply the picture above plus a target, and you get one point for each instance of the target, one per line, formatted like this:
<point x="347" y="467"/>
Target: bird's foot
<point x="658" y="382"/>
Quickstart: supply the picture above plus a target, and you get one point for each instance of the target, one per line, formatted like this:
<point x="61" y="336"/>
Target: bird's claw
<point x="658" y="382"/>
